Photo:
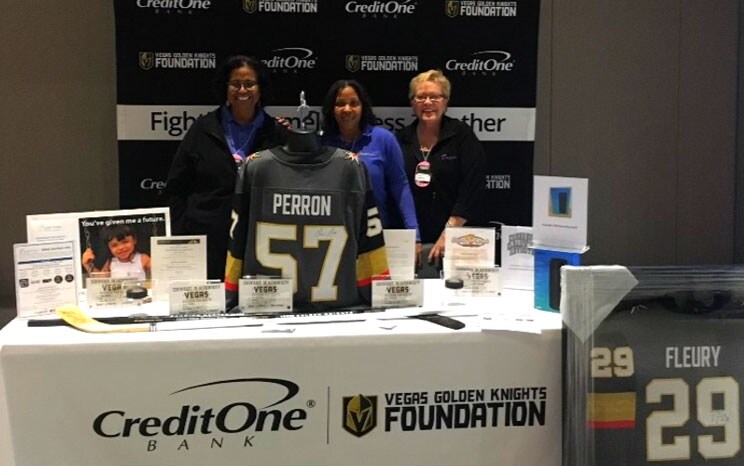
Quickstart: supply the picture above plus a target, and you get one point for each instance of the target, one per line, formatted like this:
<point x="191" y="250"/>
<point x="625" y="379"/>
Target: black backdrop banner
<point x="167" y="52"/>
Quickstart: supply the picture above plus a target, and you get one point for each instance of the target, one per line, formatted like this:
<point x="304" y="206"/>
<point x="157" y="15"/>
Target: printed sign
<point x="265" y="295"/>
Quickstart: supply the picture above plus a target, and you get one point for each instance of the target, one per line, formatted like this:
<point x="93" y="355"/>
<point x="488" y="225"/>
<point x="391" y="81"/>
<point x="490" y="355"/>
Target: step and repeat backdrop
<point x="168" y="50"/>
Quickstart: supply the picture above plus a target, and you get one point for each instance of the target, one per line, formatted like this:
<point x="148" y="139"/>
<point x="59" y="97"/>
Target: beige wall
<point x="638" y="96"/>
<point x="58" y="122"/>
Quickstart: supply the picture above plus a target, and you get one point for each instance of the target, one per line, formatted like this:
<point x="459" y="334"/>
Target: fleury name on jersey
<point x="316" y="205"/>
<point x="677" y="357"/>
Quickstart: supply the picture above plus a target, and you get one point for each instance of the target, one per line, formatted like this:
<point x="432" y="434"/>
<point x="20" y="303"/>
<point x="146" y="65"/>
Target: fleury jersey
<point x="310" y="218"/>
<point x="665" y="389"/>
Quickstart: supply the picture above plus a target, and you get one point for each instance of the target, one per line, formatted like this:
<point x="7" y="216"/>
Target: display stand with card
<point x="559" y="219"/>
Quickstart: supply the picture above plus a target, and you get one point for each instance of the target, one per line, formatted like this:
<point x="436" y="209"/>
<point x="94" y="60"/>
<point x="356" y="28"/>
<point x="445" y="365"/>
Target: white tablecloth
<point x="377" y="389"/>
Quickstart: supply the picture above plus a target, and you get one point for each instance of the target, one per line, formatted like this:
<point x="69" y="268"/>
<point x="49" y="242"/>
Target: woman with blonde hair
<point x="444" y="162"/>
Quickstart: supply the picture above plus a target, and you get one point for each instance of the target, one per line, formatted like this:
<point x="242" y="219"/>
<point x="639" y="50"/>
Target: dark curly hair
<point x="330" y="126"/>
<point x="222" y="76"/>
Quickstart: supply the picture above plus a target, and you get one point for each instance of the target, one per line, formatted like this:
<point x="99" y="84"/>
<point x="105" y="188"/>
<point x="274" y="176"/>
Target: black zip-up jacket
<point x="201" y="183"/>
<point x="457" y="176"/>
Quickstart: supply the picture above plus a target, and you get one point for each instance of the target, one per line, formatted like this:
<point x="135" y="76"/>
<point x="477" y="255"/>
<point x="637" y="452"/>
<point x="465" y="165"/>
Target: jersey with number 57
<point x="312" y="218"/>
<point x="665" y="389"/>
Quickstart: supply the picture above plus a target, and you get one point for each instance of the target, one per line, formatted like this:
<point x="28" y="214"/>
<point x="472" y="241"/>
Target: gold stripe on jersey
<point x="611" y="407"/>
<point x="370" y="265"/>
<point x="233" y="271"/>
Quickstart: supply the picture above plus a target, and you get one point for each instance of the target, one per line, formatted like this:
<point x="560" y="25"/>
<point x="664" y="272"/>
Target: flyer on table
<point x="559" y="214"/>
<point x="177" y="258"/>
<point x="44" y="276"/>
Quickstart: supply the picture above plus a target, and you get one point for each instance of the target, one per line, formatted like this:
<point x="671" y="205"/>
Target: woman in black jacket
<point x="201" y="182"/>
<point x="444" y="162"/>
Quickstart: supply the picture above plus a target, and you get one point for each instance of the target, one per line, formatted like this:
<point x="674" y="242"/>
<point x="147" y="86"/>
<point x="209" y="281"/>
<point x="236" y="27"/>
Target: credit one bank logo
<point x="151" y="184"/>
<point x="218" y="421"/>
<point x="383" y="9"/>
<point x="484" y="61"/>
<point x="291" y="60"/>
<point x="175" y="4"/>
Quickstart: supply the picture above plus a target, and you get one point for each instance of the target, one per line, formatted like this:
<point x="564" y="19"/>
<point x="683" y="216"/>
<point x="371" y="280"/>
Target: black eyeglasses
<point x="237" y="85"/>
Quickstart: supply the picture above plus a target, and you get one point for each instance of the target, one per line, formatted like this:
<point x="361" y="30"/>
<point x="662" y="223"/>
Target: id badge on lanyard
<point x="422" y="175"/>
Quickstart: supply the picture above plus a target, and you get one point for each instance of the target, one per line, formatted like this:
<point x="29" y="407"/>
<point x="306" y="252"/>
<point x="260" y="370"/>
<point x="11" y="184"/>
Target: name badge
<point x="422" y="175"/>
<point x="196" y="297"/>
<point x="397" y="293"/>
<point x="265" y="295"/>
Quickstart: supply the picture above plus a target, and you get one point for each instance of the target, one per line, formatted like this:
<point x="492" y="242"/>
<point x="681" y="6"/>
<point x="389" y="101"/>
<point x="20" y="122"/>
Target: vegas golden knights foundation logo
<point x="452" y="8"/>
<point x="360" y="414"/>
<point x="250" y="6"/>
<point x="146" y="60"/>
<point x="353" y="62"/>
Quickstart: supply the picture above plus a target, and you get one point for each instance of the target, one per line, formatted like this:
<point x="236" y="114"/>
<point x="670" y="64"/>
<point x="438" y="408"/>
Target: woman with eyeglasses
<point x="444" y="161"/>
<point x="201" y="182"/>
<point x="349" y="123"/>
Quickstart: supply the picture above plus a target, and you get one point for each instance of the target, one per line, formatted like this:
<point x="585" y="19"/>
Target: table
<point x="375" y="389"/>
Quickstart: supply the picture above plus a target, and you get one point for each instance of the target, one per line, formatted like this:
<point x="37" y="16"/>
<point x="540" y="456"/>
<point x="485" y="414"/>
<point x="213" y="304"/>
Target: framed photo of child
<point x="113" y="243"/>
<point x="119" y="246"/>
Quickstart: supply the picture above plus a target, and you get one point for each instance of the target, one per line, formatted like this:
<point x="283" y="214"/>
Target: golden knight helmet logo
<point x="146" y="60"/>
<point x="360" y="414"/>
<point x="353" y="62"/>
<point x="250" y="6"/>
<point x="452" y="8"/>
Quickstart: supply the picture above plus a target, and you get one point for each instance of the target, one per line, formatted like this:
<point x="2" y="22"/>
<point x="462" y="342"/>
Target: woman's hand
<point x="283" y="122"/>
<point x="419" y="252"/>
<point x="437" y="251"/>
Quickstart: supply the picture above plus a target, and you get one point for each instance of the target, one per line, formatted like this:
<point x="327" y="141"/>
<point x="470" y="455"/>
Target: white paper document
<point x="517" y="258"/>
<point x="559" y="213"/>
<point x="400" y="246"/>
<point x="44" y="277"/>
<point x="176" y="258"/>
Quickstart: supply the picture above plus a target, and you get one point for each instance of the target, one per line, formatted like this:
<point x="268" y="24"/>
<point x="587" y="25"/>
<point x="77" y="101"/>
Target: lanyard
<point x="425" y="152"/>
<point x="422" y="175"/>
<point x="238" y="152"/>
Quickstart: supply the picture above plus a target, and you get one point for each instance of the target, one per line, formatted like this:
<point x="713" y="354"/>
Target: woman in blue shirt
<point x="349" y="123"/>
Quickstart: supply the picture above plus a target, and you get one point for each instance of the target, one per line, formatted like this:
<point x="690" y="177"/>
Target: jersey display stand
<point x="559" y="219"/>
<point x="653" y="365"/>
<point x="313" y="205"/>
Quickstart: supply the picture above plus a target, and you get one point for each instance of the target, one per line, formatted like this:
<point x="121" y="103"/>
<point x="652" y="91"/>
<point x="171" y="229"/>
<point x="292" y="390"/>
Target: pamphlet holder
<point x="548" y="263"/>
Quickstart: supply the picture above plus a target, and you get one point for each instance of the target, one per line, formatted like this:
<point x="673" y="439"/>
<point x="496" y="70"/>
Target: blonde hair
<point x="434" y="76"/>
